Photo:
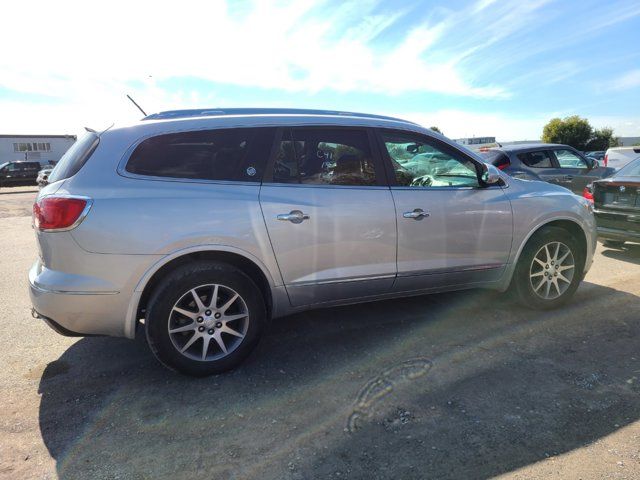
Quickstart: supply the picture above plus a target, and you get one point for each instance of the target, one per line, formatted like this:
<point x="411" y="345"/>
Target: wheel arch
<point x="569" y="224"/>
<point x="232" y="256"/>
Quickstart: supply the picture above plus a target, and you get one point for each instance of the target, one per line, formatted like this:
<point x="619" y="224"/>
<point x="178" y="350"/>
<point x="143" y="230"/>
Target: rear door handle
<point x="568" y="177"/>
<point x="294" y="216"/>
<point x="417" y="214"/>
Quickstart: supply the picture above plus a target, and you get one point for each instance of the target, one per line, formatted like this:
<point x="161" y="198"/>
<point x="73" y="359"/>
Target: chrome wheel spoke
<point x="540" y="262"/>
<point x="205" y="347"/>
<point x="190" y="342"/>
<point x="231" y="331"/>
<point x="185" y="328"/>
<point x="562" y="259"/>
<point x="186" y="313"/>
<point x="537" y="274"/>
<point x="555" y="256"/>
<point x="226" y="306"/>
<point x="542" y="282"/>
<point x="547" y="290"/>
<point x="231" y="318"/>
<point x="564" y="267"/>
<point x="563" y="278"/>
<point x="198" y="301"/>
<point x="214" y="298"/>
<point x="218" y="338"/>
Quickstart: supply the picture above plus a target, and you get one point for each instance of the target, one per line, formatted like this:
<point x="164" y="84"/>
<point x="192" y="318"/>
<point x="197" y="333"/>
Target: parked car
<point x="207" y="224"/>
<point x="617" y="205"/>
<point x="618" y="157"/>
<point x="43" y="175"/>
<point x="598" y="155"/>
<point x="18" y="172"/>
<point x="553" y="163"/>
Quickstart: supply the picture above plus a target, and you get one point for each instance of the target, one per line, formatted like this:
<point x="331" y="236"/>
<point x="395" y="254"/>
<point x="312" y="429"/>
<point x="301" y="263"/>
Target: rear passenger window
<point x="324" y="157"/>
<point x="230" y="154"/>
<point x="540" y="159"/>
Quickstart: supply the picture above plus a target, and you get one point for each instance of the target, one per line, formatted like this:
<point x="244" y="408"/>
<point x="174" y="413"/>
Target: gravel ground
<point x="461" y="385"/>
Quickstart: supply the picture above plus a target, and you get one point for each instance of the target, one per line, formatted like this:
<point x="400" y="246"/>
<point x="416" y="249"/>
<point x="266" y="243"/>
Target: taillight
<point x="502" y="166"/>
<point x="60" y="213"/>
<point x="587" y="193"/>
<point x="606" y="159"/>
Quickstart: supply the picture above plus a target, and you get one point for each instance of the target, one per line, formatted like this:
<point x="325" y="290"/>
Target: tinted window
<point x="568" y="159"/>
<point x="418" y="164"/>
<point x="540" y="159"/>
<point x="73" y="160"/>
<point x="230" y="154"/>
<point x="324" y="157"/>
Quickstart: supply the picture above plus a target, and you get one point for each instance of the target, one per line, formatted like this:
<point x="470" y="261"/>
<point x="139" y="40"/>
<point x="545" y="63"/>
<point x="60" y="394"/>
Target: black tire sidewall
<point x="174" y="286"/>
<point x="521" y="275"/>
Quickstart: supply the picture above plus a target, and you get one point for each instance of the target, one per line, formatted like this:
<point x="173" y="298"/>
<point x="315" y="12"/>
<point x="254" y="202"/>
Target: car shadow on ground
<point x="460" y="385"/>
<point x="629" y="252"/>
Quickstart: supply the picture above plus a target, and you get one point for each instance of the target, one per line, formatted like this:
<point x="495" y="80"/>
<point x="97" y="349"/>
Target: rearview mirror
<point x="490" y="175"/>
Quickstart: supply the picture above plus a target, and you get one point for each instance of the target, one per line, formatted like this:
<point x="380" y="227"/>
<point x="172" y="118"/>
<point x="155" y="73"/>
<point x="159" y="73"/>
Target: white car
<point x="618" y="157"/>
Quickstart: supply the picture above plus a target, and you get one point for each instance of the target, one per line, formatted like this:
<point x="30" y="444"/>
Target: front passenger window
<point x="418" y="164"/>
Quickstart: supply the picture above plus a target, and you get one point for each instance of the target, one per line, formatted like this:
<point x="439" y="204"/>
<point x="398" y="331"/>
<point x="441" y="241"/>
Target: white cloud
<point x="627" y="81"/>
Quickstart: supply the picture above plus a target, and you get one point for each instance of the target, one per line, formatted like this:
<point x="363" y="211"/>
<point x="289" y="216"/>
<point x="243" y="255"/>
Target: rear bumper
<point x="77" y="313"/>
<point x="617" y="225"/>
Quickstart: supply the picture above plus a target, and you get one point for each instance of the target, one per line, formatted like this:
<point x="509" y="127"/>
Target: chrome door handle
<point x="568" y="177"/>
<point x="294" y="216"/>
<point x="417" y="214"/>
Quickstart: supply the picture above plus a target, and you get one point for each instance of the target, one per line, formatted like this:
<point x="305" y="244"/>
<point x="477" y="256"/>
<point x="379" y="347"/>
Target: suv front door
<point x="330" y="215"/>
<point x="451" y="230"/>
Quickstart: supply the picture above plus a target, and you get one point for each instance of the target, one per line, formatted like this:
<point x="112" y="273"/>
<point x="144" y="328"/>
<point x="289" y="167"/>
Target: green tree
<point x="602" y="139"/>
<point x="436" y="129"/>
<point x="574" y="131"/>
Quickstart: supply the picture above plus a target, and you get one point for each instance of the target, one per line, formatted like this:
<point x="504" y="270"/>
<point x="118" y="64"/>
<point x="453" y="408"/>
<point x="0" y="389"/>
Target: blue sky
<point x="483" y="67"/>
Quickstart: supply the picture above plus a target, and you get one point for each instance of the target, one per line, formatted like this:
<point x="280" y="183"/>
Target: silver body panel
<point x="355" y="246"/>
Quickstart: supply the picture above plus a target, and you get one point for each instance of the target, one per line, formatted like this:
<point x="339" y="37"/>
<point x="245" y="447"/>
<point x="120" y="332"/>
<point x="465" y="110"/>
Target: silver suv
<point x="200" y="226"/>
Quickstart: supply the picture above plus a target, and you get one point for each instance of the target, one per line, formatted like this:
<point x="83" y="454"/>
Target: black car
<point x="616" y="202"/>
<point x="553" y="163"/>
<point x="19" y="172"/>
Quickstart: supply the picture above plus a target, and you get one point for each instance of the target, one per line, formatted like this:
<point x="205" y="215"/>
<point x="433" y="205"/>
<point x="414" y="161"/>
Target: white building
<point x="42" y="148"/>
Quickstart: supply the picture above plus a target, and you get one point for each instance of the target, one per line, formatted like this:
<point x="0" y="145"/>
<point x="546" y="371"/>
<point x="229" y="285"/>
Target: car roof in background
<point x="530" y="146"/>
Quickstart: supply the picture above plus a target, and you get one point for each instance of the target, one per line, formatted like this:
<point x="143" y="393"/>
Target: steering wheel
<point x="423" y="181"/>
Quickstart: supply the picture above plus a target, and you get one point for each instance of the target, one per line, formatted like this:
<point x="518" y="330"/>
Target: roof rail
<point x="214" y="112"/>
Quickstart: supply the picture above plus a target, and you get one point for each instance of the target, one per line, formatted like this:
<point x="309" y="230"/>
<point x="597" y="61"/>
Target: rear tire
<point x="204" y="318"/>
<point x="549" y="270"/>
<point x="613" y="243"/>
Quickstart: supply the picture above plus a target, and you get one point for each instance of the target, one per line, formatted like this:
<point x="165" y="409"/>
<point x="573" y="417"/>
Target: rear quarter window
<point x="540" y="159"/>
<point x="238" y="154"/>
<point x="73" y="160"/>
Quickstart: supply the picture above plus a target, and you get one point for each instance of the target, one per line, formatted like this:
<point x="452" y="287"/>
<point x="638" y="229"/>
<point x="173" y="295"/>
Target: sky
<point x="498" y="68"/>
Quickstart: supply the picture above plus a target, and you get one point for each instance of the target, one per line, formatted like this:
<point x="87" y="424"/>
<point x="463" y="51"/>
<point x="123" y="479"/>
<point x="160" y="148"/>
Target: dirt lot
<point x="463" y="385"/>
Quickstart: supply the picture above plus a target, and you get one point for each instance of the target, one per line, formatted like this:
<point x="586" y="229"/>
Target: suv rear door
<point x="541" y="163"/>
<point x="329" y="214"/>
<point x="451" y="230"/>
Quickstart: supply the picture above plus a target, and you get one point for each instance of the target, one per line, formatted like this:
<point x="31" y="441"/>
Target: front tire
<point x="549" y="269"/>
<point x="204" y="318"/>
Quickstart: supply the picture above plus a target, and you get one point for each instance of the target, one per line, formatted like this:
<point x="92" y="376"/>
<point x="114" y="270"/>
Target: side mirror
<point x="490" y="175"/>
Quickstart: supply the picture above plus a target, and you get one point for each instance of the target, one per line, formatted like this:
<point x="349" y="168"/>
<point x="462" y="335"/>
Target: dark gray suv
<point x="553" y="163"/>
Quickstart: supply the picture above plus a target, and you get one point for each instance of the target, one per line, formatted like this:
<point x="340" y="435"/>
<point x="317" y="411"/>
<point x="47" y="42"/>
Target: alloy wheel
<point x="552" y="270"/>
<point x="208" y="322"/>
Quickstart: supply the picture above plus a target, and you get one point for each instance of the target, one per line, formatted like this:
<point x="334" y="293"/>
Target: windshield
<point x="75" y="158"/>
<point x="630" y="170"/>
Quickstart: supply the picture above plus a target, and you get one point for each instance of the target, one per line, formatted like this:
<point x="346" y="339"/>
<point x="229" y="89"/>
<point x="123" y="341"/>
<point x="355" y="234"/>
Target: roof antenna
<point x="139" y="107"/>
